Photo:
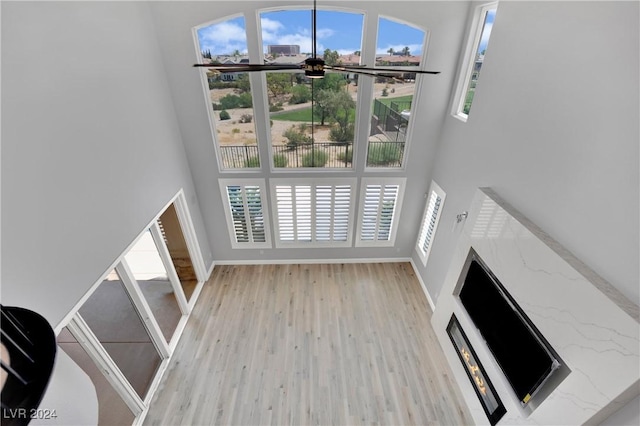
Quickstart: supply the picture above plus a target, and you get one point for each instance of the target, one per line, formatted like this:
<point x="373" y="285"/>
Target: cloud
<point x="324" y="33"/>
<point x="222" y="38"/>
<point x="302" y="40"/>
<point x="345" y="51"/>
<point x="270" y="25"/>
<point x="414" y="49"/>
<point x="486" y="33"/>
<point x="275" y="32"/>
<point x="270" y="30"/>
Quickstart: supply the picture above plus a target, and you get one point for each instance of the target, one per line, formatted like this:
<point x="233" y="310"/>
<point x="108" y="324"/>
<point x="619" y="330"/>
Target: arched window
<point x="398" y="45"/>
<point x="230" y="95"/>
<point x="311" y="123"/>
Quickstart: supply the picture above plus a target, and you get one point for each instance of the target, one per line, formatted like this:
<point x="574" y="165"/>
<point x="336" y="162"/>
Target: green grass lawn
<point x="303" y="115"/>
<point x="400" y="99"/>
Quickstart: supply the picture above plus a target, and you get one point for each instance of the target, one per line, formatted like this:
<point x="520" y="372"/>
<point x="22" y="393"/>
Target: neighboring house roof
<point x="350" y="59"/>
<point x="293" y="59"/>
<point x="398" y="59"/>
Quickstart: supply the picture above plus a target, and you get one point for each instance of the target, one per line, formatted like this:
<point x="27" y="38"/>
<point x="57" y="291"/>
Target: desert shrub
<point x="280" y="160"/>
<point x="296" y="136"/>
<point x="252" y="162"/>
<point x="222" y="85"/>
<point x="300" y="94"/>
<point x="315" y="158"/>
<point x="224" y="115"/>
<point x="236" y="101"/>
<point x="342" y="134"/>
<point x="235" y="130"/>
<point x="246" y="118"/>
<point x="275" y="108"/>
<point x="385" y="92"/>
<point x="384" y="154"/>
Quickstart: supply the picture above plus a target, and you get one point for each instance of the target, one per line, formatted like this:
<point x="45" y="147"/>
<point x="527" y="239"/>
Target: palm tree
<point x="391" y="51"/>
<point x="406" y="51"/>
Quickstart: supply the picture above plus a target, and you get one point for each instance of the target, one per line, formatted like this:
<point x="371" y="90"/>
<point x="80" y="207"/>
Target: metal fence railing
<point x="326" y="155"/>
<point x="385" y="154"/>
<point x="239" y="157"/>
<point x="389" y="119"/>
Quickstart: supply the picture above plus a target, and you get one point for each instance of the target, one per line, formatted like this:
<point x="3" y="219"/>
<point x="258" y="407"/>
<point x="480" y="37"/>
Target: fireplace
<point x="585" y="333"/>
<point x="526" y="359"/>
<point x="487" y="395"/>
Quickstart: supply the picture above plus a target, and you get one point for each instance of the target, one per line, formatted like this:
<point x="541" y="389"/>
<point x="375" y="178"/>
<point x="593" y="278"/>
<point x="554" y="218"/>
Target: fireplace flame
<point x="475" y="371"/>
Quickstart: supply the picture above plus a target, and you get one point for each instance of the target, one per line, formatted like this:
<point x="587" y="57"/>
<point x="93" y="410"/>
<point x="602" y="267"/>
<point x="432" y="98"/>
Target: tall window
<point x="312" y="121"/>
<point x="380" y="201"/>
<point x="474" y="58"/>
<point x="430" y="220"/>
<point x="399" y="45"/>
<point x="311" y="213"/>
<point x="229" y="94"/>
<point x="246" y="212"/>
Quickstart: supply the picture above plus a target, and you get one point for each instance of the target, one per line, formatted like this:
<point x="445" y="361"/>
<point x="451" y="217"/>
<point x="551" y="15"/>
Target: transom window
<point x="311" y="122"/>
<point x="474" y="58"/>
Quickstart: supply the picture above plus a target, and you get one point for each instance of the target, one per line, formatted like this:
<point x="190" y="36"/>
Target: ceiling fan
<point x="313" y="67"/>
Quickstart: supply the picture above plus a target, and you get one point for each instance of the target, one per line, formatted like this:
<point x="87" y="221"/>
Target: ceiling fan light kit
<point x="314" y="68"/>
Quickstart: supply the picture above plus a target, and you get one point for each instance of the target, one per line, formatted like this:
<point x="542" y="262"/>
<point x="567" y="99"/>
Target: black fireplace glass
<point x="489" y="399"/>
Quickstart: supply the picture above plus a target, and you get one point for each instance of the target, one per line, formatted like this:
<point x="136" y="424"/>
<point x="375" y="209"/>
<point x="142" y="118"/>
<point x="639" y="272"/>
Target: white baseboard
<point x="424" y="287"/>
<point x="210" y="271"/>
<point x="310" y="261"/>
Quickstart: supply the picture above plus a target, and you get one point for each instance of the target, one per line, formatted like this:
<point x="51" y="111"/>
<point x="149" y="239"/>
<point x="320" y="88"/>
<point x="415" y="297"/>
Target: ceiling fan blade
<point x="230" y="68"/>
<point x="353" y="68"/>
<point x="396" y="75"/>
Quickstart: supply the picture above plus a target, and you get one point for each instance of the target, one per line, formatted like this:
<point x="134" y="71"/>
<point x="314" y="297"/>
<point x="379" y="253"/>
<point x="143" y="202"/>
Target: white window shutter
<point x="310" y="214"/>
<point x="430" y="221"/>
<point x="246" y="216"/>
<point x="379" y="210"/>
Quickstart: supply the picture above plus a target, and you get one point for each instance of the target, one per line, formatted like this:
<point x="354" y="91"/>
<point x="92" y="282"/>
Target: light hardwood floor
<point x="340" y="344"/>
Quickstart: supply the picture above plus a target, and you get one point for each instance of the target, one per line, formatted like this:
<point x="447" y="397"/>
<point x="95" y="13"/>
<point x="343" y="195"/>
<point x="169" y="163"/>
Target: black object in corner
<point x="31" y="345"/>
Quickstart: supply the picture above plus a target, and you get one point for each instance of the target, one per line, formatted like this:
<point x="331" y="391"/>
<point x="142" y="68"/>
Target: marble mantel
<point x="593" y="327"/>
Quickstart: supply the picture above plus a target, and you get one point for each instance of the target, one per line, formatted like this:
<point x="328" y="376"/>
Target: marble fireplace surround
<point x="592" y="326"/>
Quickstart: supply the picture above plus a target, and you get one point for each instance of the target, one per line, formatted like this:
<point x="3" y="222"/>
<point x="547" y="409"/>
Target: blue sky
<point x="486" y="31"/>
<point x="339" y="31"/>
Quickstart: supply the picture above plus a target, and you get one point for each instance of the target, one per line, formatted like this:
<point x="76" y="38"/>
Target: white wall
<point x="554" y="129"/>
<point x="91" y="149"/>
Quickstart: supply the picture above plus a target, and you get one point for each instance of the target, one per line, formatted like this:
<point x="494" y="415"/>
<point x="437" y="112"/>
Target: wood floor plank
<point x="338" y="344"/>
